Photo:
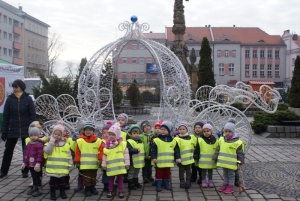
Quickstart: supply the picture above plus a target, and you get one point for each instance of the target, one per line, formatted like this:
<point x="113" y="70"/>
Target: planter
<point x="296" y="110"/>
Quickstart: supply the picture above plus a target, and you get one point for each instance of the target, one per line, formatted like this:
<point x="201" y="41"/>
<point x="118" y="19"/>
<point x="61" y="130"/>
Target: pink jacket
<point x="33" y="154"/>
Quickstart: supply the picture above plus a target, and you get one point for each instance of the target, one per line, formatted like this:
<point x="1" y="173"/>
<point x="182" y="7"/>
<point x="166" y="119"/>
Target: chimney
<point x="209" y="25"/>
<point x="295" y="37"/>
<point x="150" y="31"/>
<point x="286" y="31"/>
<point x="234" y="25"/>
<point x="21" y="8"/>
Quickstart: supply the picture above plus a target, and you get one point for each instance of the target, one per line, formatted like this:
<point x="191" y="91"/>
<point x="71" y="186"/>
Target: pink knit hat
<point x="207" y="126"/>
<point x="115" y="129"/>
<point x="59" y="126"/>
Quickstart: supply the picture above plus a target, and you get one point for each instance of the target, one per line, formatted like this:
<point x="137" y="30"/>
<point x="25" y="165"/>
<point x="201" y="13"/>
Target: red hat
<point x="157" y="124"/>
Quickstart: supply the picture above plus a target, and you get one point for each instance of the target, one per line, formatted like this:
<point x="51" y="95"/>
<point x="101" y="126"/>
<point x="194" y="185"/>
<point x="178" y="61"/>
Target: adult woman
<point x="18" y="113"/>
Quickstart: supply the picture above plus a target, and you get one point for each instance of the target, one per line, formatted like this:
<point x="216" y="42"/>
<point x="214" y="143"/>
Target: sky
<point x="87" y="26"/>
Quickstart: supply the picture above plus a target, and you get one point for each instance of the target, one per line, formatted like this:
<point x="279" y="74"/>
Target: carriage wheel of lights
<point x="47" y="106"/>
<point x="65" y="100"/>
<point x="202" y="94"/>
<point x="96" y="80"/>
<point x="48" y="124"/>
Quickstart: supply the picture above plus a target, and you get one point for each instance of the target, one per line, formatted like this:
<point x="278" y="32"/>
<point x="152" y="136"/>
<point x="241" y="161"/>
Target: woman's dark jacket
<point x="18" y="114"/>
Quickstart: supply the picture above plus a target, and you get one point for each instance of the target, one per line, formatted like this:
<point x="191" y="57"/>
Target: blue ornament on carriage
<point x="134" y="18"/>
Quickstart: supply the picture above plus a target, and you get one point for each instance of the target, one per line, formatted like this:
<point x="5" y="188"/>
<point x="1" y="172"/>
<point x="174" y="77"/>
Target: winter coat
<point x="33" y="153"/>
<point x="132" y="150"/>
<point x="146" y="139"/>
<point x="18" y="114"/>
<point x="211" y="140"/>
<point x="165" y="138"/>
<point x="89" y="139"/>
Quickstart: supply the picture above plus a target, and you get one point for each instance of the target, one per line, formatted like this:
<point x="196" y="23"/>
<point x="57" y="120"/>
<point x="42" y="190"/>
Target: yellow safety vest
<point x="123" y="135"/>
<point x="186" y="148"/>
<point x="227" y="157"/>
<point x="206" y="154"/>
<point x="58" y="160"/>
<point x="137" y="159"/>
<point x="165" y="153"/>
<point x="27" y="140"/>
<point x="115" y="160"/>
<point x="89" y="154"/>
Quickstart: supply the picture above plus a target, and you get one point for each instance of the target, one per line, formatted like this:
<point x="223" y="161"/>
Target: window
<point x="149" y="60"/>
<point x="124" y="60"/>
<point x="133" y="75"/>
<point x="134" y="46"/>
<point x="4" y="34"/>
<point x="5" y="19"/>
<point x="123" y="75"/>
<point x="133" y="60"/>
<point x="221" y="69"/>
<point x="231" y="69"/>
<point x="10" y="21"/>
<point x="226" y="53"/>
<point x="4" y="51"/>
<point x="10" y="36"/>
<point x="254" y="70"/>
<point x="254" y="54"/>
<point x="262" y="54"/>
<point x="247" y="53"/>
<point x="247" y="70"/>
<point x="142" y="75"/>
<point x="29" y="42"/>
<point x="142" y="47"/>
<point x="269" y="70"/>
<point x="277" y="71"/>
<point x="262" y="70"/>
<point x="218" y="53"/>
<point x="28" y="57"/>
<point x="10" y="52"/>
<point x="269" y="53"/>
<point x="277" y="54"/>
<point x="142" y="60"/>
<point x="233" y="53"/>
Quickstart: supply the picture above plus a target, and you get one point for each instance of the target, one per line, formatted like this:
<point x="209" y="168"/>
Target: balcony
<point x="17" y="61"/>
<point x="17" y="30"/>
<point x="17" y="45"/>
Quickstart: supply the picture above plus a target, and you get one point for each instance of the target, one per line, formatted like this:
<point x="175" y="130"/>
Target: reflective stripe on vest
<point x="227" y="157"/>
<point x="115" y="160"/>
<point x="206" y="154"/>
<point x="186" y="148"/>
<point x="89" y="154"/>
<point x="138" y="159"/>
<point x="165" y="153"/>
<point x="58" y="160"/>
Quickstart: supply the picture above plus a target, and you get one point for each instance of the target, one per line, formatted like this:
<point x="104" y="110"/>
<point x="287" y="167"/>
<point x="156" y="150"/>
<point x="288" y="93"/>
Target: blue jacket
<point x="18" y="114"/>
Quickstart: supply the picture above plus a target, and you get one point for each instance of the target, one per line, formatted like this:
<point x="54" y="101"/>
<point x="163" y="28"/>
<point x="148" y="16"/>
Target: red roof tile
<point x="155" y="35"/>
<point x="192" y="33"/>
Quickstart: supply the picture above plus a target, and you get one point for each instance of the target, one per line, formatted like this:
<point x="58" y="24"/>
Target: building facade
<point x="23" y="40"/>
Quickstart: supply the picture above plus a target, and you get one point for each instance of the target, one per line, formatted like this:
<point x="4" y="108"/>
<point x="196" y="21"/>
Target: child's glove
<point x="103" y="168"/>
<point x="178" y="160"/>
<point x="23" y="166"/>
<point x="4" y="136"/>
<point x="52" y="140"/>
<point x="154" y="161"/>
<point x="77" y="165"/>
<point x="37" y="167"/>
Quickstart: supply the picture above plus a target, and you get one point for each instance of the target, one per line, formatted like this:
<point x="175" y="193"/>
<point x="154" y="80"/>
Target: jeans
<point x="229" y="176"/>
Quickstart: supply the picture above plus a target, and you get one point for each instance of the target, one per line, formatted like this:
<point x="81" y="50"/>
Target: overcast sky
<point x="86" y="26"/>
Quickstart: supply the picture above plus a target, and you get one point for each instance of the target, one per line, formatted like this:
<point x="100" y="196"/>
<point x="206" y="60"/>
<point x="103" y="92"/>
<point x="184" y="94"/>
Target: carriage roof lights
<point x="133" y="18"/>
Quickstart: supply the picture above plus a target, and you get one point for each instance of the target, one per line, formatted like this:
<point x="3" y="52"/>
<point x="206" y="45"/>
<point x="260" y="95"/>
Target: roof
<point x="4" y="62"/>
<point x="152" y="35"/>
<point x="298" y="41"/>
<point x="261" y="82"/>
<point x="243" y="35"/>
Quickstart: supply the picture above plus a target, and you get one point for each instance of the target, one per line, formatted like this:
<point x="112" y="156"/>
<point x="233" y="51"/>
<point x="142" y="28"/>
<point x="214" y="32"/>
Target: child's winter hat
<point x="134" y="127"/>
<point x="230" y="126"/>
<point x="158" y="124"/>
<point x="183" y="124"/>
<point x="34" y="131"/>
<point x="90" y="125"/>
<point x="167" y="125"/>
<point x="208" y="126"/>
<point x="80" y="124"/>
<point x="124" y="116"/>
<point x="145" y="123"/>
<point x="199" y="123"/>
<point x="115" y="129"/>
<point x="60" y="127"/>
<point x="106" y="126"/>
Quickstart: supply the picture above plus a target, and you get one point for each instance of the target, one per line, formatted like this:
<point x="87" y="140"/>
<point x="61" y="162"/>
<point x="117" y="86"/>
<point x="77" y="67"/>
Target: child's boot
<point x="63" y="192"/>
<point x="145" y="180"/>
<point x="188" y="184"/>
<point x="31" y="190"/>
<point x="223" y="188"/>
<point x="80" y="184"/>
<point x="52" y="192"/>
<point x="210" y="184"/>
<point x="229" y="189"/>
<point x="67" y="180"/>
<point x="237" y="183"/>
<point x="131" y="185"/>
<point x="87" y="192"/>
<point x="182" y="183"/>
<point x="158" y="185"/>
<point x="167" y="184"/>
<point x="136" y="183"/>
<point x="37" y="192"/>
<point x="93" y="190"/>
<point x="105" y="188"/>
<point x="204" y="184"/>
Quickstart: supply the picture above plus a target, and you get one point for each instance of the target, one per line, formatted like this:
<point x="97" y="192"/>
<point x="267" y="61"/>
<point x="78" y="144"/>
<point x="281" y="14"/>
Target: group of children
<point x="123" y="151"/>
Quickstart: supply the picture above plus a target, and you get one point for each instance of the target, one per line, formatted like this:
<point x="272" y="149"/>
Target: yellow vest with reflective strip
<point x="227" y="157"/>
<point x="186" y="148"/>
<point x="58" y="160"/>
<point x="165" y="153"/>
<point x="27" y="140"/>
<point x="137" y="159"/>
<point x="73" y="145"/>
<point x="123" y="135"/>
<point x="89" y="154"/>
<point x="115" y="160"/>
<point x="206" y="154"/>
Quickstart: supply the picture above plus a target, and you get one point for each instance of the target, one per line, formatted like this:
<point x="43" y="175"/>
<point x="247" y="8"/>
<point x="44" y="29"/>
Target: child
<point x="57" y="167"/>
<point x="162" y="154"/>
<point x="87" y="157"/>
<point x="195" y="168"/>
<point x="136" y="151"/>
<point x="73" y="144"/>
<point x="115" y="159"/>
<point x="229" y="152"/>
<point x="33" y="158"/>
<point x="205" y="148"/>
<point x="123" y="121"/>
<point x="186" y="145"/>
<point x="157" y="128"/>
<point x="146" y="138"/>
<point x="104" y="132"/>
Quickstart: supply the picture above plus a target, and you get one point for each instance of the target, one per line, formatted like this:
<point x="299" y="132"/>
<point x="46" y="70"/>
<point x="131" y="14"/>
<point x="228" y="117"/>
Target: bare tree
<point x="70" y="69"/>
<point x="55" y="48"/>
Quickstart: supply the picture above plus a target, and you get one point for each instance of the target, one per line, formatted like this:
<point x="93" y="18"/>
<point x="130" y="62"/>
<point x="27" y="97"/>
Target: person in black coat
<point x="18" y="113"/>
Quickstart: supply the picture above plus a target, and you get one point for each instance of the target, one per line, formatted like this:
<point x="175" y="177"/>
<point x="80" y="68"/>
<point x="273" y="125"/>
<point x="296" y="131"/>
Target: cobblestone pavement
<point x="271" y="172"/>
